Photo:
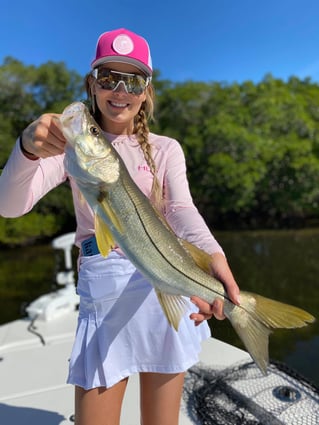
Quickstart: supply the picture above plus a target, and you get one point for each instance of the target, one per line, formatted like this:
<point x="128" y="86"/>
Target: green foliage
<point x="25" y="93"/>
<point x="252" y="150"/>
<point x="28" y="228"/>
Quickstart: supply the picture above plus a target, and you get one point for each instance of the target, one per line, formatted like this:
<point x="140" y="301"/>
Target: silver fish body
<point x="124" y="216"/>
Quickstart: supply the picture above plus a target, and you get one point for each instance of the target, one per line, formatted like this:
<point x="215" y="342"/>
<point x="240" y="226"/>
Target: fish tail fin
<point x="257" y="317"/>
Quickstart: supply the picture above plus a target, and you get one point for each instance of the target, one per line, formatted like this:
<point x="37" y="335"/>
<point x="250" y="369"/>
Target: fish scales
<point x="125" y="217"/>
<point x="172" y="266"/>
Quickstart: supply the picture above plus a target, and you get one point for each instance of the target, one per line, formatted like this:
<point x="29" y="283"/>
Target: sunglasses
<point x="110" y="80"/>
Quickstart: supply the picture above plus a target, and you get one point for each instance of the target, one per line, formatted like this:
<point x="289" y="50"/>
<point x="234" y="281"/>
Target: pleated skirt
<point x="122" y="329"/>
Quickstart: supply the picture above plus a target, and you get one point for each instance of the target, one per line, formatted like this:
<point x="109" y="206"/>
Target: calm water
<point x="280" y="264"/>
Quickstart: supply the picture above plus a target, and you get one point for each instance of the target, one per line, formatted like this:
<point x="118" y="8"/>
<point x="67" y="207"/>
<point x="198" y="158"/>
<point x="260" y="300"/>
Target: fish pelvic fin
<point x="256" y="318"/>
<point x="104" y="237"/>
<point x="201" y="258"/>
<point x="174" y="307"/>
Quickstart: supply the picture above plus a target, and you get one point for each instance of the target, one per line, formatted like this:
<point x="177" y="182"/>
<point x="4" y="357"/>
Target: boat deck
<point x="32" y="374"/>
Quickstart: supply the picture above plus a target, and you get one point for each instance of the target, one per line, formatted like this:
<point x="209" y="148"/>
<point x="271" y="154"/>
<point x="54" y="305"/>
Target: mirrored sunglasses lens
<point x="109" y="80"/>
<point x="137" y="84"/>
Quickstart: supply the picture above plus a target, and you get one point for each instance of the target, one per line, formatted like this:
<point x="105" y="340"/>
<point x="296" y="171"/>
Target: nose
<point x="120" y="86"/>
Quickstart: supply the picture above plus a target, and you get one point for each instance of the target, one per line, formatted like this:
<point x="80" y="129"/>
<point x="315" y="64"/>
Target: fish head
<point x="87" y="147"/>
<point x="82" y="132"/>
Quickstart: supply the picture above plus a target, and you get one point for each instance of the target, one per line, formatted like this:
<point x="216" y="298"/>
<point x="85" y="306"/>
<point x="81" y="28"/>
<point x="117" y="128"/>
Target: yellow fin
<point x="253" y="333"/>
<point x="81" y="198"/>
<point x="174" y="307"/>
<point x="110" y="213"/>
<point x="201" y="258"/>
<point x="276" y="314"/>
<point x="104" y="238"/>
<point x="256" y="317"/>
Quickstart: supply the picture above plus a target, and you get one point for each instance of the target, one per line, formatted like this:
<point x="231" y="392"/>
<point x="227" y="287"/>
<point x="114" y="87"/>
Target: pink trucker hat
<point x="123" y="46"/>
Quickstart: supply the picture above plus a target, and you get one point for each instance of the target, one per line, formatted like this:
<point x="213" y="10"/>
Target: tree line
<point x="252" y="149"/>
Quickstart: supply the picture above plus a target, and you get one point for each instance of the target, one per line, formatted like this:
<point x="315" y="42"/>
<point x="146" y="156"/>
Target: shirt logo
<point x="143" y="168"/>
<point x="123" y="44"/>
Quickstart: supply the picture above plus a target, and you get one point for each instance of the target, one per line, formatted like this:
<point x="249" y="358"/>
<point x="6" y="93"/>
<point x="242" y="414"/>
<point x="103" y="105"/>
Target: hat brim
<point x="124" y="59"/>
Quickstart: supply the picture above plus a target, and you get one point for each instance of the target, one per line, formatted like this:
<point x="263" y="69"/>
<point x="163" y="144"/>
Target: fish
<point x="124" y="217"/>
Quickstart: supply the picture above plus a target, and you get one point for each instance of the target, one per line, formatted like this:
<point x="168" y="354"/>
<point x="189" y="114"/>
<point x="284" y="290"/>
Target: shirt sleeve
<point x="23" y="181"/>
<point x="179" y="210"/>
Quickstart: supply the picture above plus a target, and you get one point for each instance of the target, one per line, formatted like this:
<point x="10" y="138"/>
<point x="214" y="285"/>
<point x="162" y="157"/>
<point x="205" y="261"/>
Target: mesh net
<point x="242" y="395"/>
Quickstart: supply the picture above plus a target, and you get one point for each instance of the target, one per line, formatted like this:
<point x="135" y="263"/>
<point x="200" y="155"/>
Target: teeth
<point x="119" y="105"/>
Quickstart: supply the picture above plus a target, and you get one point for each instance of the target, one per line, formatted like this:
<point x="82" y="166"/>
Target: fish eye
<point x="94" y="130"/>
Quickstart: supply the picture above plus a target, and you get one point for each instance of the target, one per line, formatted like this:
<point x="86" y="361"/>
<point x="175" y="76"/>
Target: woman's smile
<point x="117" y="104"/>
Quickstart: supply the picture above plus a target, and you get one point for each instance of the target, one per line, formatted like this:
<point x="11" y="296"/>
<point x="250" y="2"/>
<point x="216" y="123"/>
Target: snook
<point x="124" y="216"/>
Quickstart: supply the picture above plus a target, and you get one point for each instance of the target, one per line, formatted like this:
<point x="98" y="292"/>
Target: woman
<point x="122" y="329"/>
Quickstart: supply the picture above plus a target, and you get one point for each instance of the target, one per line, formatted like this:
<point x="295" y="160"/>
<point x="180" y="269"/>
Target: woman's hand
<point x="222" y="272"/>
<point x="43" y="138"/>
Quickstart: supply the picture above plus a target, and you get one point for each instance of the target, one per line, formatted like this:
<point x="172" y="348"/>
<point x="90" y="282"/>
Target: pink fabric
<point x="24" y="182"/>
<point x="123" y="45"/>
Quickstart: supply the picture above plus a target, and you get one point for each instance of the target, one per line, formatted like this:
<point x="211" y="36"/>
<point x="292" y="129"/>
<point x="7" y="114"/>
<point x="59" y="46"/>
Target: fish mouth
<point x="73" y="109"/>
<point x="72" y="119"/>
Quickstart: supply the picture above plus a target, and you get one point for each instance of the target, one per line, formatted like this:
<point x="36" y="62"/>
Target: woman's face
<point x="118" y="108"/>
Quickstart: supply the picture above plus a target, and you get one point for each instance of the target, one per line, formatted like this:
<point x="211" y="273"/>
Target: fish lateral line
<point x="162" y="220"/>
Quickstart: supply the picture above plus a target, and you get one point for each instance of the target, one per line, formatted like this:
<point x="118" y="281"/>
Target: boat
<point x="224" y="388"/>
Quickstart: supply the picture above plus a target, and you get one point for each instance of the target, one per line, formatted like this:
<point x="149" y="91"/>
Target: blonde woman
<point x="121" y="328"/>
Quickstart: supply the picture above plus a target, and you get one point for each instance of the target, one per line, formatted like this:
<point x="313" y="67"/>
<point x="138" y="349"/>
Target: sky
<point x="202" y="40"/>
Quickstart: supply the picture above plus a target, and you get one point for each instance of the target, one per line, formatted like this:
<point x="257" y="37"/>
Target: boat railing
<point x="60" y="302"/>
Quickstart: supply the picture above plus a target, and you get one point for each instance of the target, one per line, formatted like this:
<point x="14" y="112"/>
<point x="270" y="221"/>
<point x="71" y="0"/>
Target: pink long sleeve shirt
<point x="24" y="182"/>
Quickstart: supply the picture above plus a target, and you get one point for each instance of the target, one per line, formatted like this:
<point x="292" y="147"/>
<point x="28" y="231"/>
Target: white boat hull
<point x="33" y="375"/>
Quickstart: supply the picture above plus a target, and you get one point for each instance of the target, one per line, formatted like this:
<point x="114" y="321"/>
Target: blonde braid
<point x="142" y="133"/>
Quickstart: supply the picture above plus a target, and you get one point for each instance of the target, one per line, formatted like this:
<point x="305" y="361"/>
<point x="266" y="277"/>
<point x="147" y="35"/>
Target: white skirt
<point x="122" y="329"/>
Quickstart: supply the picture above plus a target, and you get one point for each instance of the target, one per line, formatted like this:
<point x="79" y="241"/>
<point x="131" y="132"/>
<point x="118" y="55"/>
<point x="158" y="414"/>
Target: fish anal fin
<point x="104" y="238"/>
<point x="174" y="307"/>
<point x="201" y="258"/>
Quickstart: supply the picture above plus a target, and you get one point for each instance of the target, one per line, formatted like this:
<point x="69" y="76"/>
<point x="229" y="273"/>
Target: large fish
<point x="125" y="217"/>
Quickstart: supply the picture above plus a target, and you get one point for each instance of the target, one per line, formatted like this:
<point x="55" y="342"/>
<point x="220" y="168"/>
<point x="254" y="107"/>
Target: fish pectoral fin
<point x="174" y="307"/>
<point x="104" y="237"/>
<point x="81" y="198"/>
<point x="107" y="209"/>
<point x="201" y="258"/>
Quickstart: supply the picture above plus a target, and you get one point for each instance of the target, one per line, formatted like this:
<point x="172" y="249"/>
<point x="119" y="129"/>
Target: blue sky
<point x="202" y="40"/>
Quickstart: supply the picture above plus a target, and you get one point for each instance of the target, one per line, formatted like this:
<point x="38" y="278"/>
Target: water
<point x="281" y="264"/>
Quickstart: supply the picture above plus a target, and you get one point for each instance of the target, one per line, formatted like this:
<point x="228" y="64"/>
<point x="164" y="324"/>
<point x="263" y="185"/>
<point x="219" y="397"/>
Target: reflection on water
<point x="25" y="273"/>
<point x="279" y="264"/>
<point x="283" y="265"/>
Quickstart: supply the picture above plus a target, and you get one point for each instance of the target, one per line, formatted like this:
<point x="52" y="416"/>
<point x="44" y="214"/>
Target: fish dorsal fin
<point x="174" y="307"/>
<point x="104" y="238"/>
<point x="201" y="258"/>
